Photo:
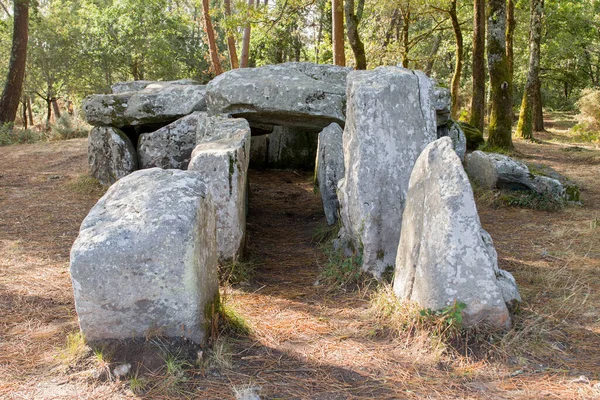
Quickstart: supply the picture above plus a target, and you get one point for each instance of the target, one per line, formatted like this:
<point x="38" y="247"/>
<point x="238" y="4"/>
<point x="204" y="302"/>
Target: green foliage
<point x="12" y="135"/>
<point x="449" y="317"/>
<point x="236" y="272"/>
<point x="341" y="272"/>
<point x="325" y="233"/>
<point x="67" y="127"/>
<point x="474" y="136"/>
<point x="514" y="198"/>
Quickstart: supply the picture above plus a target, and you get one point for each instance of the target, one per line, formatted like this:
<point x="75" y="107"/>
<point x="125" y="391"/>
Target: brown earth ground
<point x="306" y="341"/>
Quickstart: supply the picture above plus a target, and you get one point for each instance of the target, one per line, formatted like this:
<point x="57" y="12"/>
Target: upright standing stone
<point x="111" y="155"/>
<point x="292" y="148"/>
<point x="444" y="256"/>
<point x="390" y="120"/>
<point x="145" y="260"/>
<point x="330" y="169"/>
<point x="223" y="163"/>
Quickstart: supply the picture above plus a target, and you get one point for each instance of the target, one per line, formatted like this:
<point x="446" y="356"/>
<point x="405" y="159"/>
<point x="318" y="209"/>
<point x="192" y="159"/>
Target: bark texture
<point x="538" y="111"/>
<point x="337" y="15"/>
<point x="9" y="102"/>
<point x="455" y="86"/>
<point x="500" y="124"/>
<point x="525" y="125"/>
<point x="353" y="18"/>
<point x="233" y="57"/>
<point x="511" y="23"/>
<point x="212" y="43"/>
<point x="246" y="41"/>
<point x="478" y="95"/>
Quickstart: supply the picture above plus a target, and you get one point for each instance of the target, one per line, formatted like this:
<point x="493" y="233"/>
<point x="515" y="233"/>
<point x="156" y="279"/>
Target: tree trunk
<point x="212" y="44"/>
<point x="538" y="111"/>
<point x="433" y="54"/>
<point x="478" y="96"/>
<point x="9" y="102"/>
<point x="352" y="20"/>
<point x="24" y="112"/>
<point x="337" y="15"/>
<point x="48" y="111"/>
<point x="55" y="107"/>
<point x="29" y="111"/>
<point x="525" y="125"/>
<point x="510" y="35"/>
<point x="500" y="125"/>
<point x="246" y="41"/>
<point x="405" y="37"/>
<point x="233" y="58"/>
<point x="455" y="85"/>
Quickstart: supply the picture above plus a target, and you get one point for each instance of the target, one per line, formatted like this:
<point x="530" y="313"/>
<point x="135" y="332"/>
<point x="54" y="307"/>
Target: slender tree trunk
<point x="55" y="107"/>
<point x="337" y="15"/>
<point x="48" y="111"/>
<point x="9" y="101"/>
<point x="510" y="35"/>
<point x="525" y="125"/>
<point x="538" y="111"/>
<point x="212" y="44"/>
<point x="478" y="96"/>
<point x="433" y="55"/>
<point x="405" y="37"/>
<point x="352" y="20"/>
<point x="29" y="111"/>
<point x="455" y="85"/>
<point x="24" y="112"/>
<point x="233" y="58"/>
<point x="246" y="41"/>
<point x="500" y="125"/>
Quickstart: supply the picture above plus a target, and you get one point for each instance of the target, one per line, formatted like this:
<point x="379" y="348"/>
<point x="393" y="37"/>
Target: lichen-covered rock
<point x="223" y="163"/>
<point x="444" y="256"/>
<point x="442" y="102"/>
<point x="258" y="151"/>
<point x="157" y="103"/>
<point x="292" y="94"/>
<point x="330" y="169"/>
<point x="170" y="146"/>
<point x="135" y="86"/>
<point x="291" y="148"/>
<point x="497" y="171"/>
<point x="111" y="155"/>
<point x="572" y="192"/>
<point x="459" y="141"/>
<point x="390" y="120"/>
<point x="145" y="260"/>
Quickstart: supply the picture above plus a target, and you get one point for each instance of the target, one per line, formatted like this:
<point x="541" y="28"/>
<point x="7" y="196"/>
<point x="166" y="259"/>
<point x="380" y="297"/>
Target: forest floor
<point x="306" y="341"/>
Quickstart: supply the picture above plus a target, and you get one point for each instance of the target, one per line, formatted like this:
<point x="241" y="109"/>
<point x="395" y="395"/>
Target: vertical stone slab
<point x="145" y="260"/>
<point x="111" y="155"/>
<point x="223" y="163"/>
<point x="444" y="256"/>
<point x="390" y="119"/>
<point x="330" y="169"/>
<point x="291" y="148"/>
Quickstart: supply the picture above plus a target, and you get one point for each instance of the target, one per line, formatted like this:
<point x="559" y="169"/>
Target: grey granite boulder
<point x="170" y="146"/>
<point x="391" y="118"/>
<point x="134" y="86"/>
<point x="330" y="169"/>
<point x="292" y="148"/>
<point x="453" y="130"/>
<point x="111" y="155"/>
<point x="497" y="171"/>
<point x="145" y="260"/>
<point x="223" y="163"/>
<point x="157" y="103"/>
<point x="442" y="103"/>
<point x="291" y="94"/>
<point x="444" y="256"/>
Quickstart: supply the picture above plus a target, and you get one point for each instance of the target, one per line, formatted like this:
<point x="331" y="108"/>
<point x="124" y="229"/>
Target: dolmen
<point x="177" y="156"/>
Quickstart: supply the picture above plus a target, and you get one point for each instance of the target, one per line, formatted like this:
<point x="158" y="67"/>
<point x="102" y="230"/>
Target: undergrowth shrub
<point x="342" y="272"/>
<point x="588" y="128"/>
<point x="68" y="127"/>
<point x="237" y="272"/>
<point x="11" y="135"/>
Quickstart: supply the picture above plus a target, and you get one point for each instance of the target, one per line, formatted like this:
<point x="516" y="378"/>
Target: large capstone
<point x="223" y="163"/>
<point x="292" y="94"/>
<point x="172" y="145"/>
<point x="155" y="104"/>
<point x="330" y="169"/>
<point x="145" y="260"/>
<point x="111" y="155"/>
<point x="444" y="255"/>
<point x="391" y="118"/>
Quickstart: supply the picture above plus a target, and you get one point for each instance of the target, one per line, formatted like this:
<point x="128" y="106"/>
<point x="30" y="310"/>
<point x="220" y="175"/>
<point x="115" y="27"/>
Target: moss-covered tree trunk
<point x="478" y="95"/>
<point x="500" y="124"/>
<point x="511" y="24"/>
<point x="353" y="18"/>
<point x="525" y="125"/>
<point x="337" y="17"/>
<point x="458" y="65"/>
<point x="11" y="95"/>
